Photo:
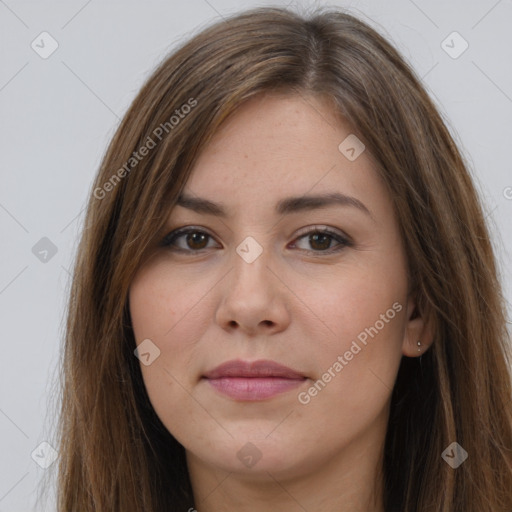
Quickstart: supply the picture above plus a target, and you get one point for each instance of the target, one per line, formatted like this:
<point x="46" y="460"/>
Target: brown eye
<point x="193" y="240"/>
<point x="320" y="240"/>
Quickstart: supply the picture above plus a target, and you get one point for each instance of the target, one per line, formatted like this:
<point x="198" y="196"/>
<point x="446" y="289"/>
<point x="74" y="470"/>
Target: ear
<point x="416" y="330"/>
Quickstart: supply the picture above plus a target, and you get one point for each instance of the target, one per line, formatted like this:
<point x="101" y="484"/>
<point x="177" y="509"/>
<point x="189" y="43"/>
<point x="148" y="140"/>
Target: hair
<point x="115" y="453"/>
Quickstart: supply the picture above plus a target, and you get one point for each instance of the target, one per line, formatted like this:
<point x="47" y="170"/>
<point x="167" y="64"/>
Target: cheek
<point x="160" y="299"/>
<point x="343" y="305"/>
<point x="358" y="329"/>
<point x="162" y="313"/>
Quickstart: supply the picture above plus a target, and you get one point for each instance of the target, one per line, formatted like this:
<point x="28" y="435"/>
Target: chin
<point x="256" y="457"/>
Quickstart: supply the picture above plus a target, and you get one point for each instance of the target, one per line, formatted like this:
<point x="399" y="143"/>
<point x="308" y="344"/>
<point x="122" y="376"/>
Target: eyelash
<point x="169" y="240"/>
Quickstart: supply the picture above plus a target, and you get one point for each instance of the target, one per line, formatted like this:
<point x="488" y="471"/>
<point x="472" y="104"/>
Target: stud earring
<point x="419" y="344"/>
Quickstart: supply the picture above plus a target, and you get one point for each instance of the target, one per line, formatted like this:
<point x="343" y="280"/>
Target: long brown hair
<point x="115" y="454"/>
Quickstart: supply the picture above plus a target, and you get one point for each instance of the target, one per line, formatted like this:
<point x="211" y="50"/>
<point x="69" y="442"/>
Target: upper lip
<point x="261" y="368"/>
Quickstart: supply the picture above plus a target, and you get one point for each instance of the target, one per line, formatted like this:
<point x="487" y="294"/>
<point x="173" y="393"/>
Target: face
<point x="315" y="286"/>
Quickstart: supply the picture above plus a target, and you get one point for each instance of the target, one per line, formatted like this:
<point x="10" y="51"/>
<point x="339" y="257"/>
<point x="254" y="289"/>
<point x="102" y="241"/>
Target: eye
<point x="320" y="239"/>
<point x="194" y="240"/>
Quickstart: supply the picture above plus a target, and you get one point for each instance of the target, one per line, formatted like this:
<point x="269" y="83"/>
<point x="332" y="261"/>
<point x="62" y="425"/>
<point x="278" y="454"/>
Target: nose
<point x="253" y="297"/>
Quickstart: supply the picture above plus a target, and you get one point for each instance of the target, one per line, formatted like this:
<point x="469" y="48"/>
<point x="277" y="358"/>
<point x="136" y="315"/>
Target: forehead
<point x="277" y="146"/>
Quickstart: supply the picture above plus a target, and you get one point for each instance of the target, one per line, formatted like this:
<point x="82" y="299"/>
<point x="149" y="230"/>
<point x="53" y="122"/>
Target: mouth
<point x="252" y="381"/>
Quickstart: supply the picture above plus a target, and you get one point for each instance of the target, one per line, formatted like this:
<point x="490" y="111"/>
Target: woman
<point x="285" y="295"/>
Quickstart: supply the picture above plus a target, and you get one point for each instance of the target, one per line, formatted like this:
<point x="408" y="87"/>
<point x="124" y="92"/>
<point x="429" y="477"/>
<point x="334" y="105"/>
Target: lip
<point x="251" y="381"/>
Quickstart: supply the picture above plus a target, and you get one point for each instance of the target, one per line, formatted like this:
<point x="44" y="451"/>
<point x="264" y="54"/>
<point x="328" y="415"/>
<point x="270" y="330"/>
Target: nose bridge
<point x="251" y="260"/>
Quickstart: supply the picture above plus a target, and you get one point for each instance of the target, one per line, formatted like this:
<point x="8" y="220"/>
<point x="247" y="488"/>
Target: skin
<point x="295" y="304"/>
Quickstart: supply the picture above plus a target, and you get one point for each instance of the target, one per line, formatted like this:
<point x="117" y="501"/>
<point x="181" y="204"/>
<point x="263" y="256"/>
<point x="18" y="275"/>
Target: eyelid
<point x="324" y="228"/>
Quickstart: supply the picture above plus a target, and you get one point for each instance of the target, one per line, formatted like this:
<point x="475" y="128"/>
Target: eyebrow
<point x="284" y="206"/>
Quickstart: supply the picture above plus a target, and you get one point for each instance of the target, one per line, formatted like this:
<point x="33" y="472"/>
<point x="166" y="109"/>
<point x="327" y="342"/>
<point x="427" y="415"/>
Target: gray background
<point x="57" y="115"/>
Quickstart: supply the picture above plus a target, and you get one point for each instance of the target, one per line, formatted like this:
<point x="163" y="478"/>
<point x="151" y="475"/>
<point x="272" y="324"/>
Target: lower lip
<point x="253" y="388"/>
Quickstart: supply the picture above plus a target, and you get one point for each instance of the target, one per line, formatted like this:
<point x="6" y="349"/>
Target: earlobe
<point x="418" y="334"/>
